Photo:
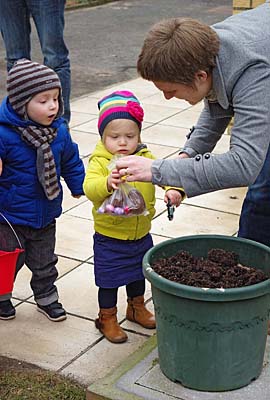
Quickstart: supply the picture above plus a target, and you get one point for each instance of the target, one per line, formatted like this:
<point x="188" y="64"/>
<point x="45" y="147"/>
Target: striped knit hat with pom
<point x="119" y="105"/>
<point x="26" y="79"/>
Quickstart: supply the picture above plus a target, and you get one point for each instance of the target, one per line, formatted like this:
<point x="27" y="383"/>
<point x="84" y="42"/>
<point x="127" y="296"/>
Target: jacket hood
<point x="100" y="151"/>
<point x="9" y="117"/>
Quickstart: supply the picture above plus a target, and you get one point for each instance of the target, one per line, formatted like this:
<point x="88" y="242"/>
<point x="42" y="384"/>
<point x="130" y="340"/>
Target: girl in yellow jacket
<point x="120" y="242"/>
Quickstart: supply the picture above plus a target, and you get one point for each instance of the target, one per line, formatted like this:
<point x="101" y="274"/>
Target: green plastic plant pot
<point x="210" y="339"/>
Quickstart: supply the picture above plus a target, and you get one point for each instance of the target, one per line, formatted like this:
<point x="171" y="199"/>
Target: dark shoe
<point x="53" y="311"/>
<point x="7" y="311"/>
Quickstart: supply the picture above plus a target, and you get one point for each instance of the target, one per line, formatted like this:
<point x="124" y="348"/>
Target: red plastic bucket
<point x="8" y="261"/>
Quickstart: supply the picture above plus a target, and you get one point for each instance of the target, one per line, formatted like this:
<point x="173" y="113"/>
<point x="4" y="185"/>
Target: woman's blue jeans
<point x="255" y="215"/>
<point x="48" y="16"/>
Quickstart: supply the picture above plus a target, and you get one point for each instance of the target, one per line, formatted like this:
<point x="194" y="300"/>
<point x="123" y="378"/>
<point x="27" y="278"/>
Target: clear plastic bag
<point x="126" y="201"/>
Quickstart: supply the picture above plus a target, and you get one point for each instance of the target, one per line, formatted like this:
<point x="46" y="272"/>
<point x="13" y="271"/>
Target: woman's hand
<point x="135" y="168"/>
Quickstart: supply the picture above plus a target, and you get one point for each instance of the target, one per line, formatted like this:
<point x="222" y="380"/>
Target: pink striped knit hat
<point x="119" y="105"/>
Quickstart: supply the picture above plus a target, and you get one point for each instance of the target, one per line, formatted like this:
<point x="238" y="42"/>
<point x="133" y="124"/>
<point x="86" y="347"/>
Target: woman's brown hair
<point x="175" y="49"/>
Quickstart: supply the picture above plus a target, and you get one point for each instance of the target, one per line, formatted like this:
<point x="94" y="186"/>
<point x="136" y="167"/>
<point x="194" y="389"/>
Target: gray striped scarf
<point x="40" y="138"/>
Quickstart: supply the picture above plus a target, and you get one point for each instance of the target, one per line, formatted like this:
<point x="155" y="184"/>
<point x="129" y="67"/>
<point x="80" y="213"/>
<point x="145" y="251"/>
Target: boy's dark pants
<point x="38" y="255"/>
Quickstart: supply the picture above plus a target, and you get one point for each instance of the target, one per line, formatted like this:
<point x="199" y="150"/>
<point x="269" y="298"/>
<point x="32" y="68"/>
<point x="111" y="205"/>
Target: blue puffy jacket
<point x="22" y="199"/>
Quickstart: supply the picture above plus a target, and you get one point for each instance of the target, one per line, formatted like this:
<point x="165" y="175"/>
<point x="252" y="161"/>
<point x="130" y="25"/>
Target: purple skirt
<point x="119" y="262"/>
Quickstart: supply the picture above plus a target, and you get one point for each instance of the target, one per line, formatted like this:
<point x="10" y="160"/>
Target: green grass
<point x="38" y="385"/>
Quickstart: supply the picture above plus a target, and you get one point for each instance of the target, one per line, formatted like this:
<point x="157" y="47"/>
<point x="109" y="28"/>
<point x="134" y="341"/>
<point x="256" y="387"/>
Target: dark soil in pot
<point x="220" y="269"/>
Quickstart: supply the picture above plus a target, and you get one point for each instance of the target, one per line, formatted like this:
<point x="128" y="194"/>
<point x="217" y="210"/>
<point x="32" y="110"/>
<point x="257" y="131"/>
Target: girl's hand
<point x="183" y="155"/>
<point x="174" y="196"/>
<point x="76" y="196"/>
<point x="113" y="180"/>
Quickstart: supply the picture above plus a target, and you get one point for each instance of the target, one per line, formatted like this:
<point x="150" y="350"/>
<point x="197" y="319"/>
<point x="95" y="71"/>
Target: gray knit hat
<point x="26" y="79"/>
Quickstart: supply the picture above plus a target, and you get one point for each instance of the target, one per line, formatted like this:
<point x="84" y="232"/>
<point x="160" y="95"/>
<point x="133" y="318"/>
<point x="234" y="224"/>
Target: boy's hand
<point x="76" y="196"/>
<point x="113" y="180"/>
<point x="1" y="166"/>
<point x="174" y="196"/>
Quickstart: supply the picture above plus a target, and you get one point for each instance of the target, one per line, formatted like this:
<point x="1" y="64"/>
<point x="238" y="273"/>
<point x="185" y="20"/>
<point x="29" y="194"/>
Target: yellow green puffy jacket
<point x="95" y="188"/>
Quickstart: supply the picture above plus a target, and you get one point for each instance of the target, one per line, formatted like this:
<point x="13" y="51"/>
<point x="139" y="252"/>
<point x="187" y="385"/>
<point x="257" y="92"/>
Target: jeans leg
<point x="255" y="215"/>
<point x="15" y="30"/>
<point x="41" y="260"/>
<point x="48" y="16"/>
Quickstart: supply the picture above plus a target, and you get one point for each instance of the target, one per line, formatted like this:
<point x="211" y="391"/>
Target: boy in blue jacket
<point x="35" y="150"/>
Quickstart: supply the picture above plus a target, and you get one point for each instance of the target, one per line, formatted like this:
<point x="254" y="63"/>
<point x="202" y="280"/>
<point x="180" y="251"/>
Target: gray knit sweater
<point x="241" y="81"/>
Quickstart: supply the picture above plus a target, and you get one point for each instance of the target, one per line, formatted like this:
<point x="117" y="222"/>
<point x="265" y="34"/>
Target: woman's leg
<point x="48" y="16"/>
<point x="15" y="29"/>
<point x="255" y="215"/>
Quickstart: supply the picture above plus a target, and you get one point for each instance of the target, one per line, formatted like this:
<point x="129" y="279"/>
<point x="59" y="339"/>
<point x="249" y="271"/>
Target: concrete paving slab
<point x="69" y="243"/>
<point x="140" y="377"/>
<point x="175" y="136"/>
<point x="227" y="200"/>
<point x="85" y="141"/>
<point x="183" y="119"/>
<point x="99" y="360"/>
<point x="106" y="388"/>
<point x="22" y="289"/>
<point x="207" y="222"/>
<point x="31" y="337"/>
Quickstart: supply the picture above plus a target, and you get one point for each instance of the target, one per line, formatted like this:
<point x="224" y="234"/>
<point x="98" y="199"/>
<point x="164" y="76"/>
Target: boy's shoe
<point x="7" y="311"/>
<point x="53" y="311"/>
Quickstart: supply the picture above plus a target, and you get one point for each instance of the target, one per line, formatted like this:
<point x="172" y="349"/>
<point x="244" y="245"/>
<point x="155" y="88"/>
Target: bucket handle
<point x="11" y="227"/>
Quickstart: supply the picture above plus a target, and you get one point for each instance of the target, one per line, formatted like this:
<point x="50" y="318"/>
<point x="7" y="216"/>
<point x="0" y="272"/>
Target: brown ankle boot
<point x="137" y="312"/>
<point x="108" y="325"/>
